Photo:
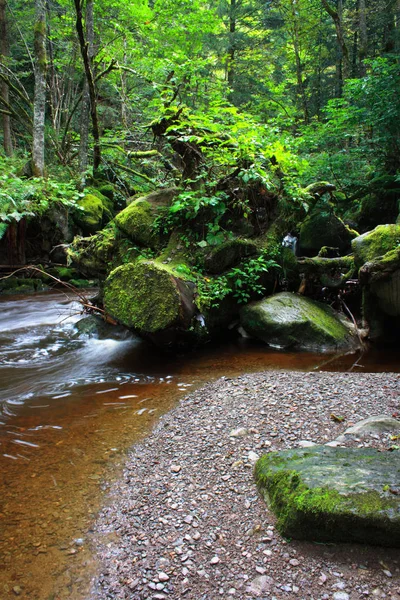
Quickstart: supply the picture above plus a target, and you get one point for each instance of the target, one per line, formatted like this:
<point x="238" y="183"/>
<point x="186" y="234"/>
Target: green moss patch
<point x="136" y="221"/>
<point x="377" y="242"/>
<point x="333" y="494"/>
<point x="91" y="217"/>
<point x="142" y="296"/>
<point x="229" y="254"/>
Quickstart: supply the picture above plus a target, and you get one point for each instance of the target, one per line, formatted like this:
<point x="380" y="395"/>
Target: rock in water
<point x="288" y="320"/>
<point x="149" y="298"/>
<point x="334" y="494"/>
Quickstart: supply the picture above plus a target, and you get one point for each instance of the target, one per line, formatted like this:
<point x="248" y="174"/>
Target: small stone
<point x="175" y="469"/>
<point x="253" y="457"/>
<point x="387" y="573"/>
<point x="239" y="432"/>
<point x="306" y="444"/>
<point x="196" y="535"/>
<point x="341" y="596"/>
<point x="231" y="591"/>
<point x="188" y="519"/>
<point x="17" y="590"/>
<point x="261" y="570"/>
<point x="322" y="578"/>
<point x="294" y="562"/>
<point x="214" y="560"/>
<point x="163" y="576"/>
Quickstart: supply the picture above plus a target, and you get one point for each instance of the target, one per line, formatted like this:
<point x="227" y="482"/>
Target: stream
<point x="71" y="405"/>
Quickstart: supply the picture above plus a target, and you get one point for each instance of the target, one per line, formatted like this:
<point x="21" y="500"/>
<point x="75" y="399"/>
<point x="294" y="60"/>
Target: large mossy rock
<point x="149" y="298"/>
<point x="329" y="494"/>
<point x="90" y="218"/>
<point x="136" y="221"/>
<point x="228" y="254"/>
<point x="375" y="243"/>
<point x="288" y="320"/>
<point x="324" y="228"/>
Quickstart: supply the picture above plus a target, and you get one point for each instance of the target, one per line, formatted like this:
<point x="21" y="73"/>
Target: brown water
<point x="70" y="407"/>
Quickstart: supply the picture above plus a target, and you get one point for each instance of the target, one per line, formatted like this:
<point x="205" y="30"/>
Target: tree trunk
<point x="39" y="101"/>
<point x="231" y="46"/>
<point x="363" y="39"/>
<point x="91" y="84"/>
<point x="299" y="68"/>
<point x="85" y="106"/>
<point x="4" y="91"/>
<point x="343" y="63"/>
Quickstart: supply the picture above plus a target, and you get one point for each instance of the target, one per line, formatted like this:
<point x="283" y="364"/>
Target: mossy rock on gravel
<point x="323" y="228"/>
<point x="136" y="221"/>
<point x="326" y="494"/>
<point x="288" y="320"/>
<point x="148" y="297"/>
<point x="228" y="254"/>
<point x="377" y="242"/>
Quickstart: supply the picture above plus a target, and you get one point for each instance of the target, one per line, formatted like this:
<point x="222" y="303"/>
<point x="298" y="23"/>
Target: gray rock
<point x="377" y="424"/>
<point x="259" y="585"/>
<point x="334" y="494"/>
<point x="289" y="320"/>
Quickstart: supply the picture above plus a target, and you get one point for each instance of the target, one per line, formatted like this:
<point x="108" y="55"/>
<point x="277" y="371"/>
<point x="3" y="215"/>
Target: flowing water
<point x="71" y="404"/>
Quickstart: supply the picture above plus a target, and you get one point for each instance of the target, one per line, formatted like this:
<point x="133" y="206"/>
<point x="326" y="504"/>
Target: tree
<point x="39" y="102"/>
<point x="4" y="90"/>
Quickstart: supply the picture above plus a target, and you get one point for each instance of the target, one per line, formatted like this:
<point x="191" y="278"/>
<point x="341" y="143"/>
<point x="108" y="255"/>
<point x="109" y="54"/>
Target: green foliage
<point x="21" y="197"/>
<point x="242" y="283"/>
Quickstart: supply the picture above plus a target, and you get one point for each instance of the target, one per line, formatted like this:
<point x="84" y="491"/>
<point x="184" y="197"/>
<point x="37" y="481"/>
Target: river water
<point x="71" y="404"/>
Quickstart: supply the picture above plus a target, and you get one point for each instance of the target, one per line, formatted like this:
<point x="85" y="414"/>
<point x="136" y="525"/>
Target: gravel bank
<point x="186" y="520"/>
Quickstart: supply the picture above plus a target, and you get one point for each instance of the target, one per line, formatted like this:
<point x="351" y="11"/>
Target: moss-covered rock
<point x="324" y="228"/>
<point x="136" y="221"/>
<point x="227" y="255"/>
<point x="99" y="254"/>
<point x="90" y="218"/>
<point x="333" y="494"/>
<point x="161" y="197"/>
<point x="288" y="320"/>
<point x="21" y="285"/>
<point x="148" y="297"/>
<point x="375" y="243"/>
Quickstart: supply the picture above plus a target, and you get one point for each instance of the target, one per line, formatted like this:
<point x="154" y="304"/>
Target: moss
<point x="142" y="296"/>
<point x="322" y="513"/>
<point x="20" y="285"/>
<point x="91" y="216"/>
<point x="378" y="242"/>
<point x="136" y="221"/>
<point x="323" y="228"/>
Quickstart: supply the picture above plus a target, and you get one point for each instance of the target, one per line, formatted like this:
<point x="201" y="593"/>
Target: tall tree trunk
<point x="232" y="44"/>
<point x="363" y="38"/>
<point x="343" y="62"/>
<point x="39" y="101"/>
<point x="91" y="84"/>
<point x="301" y="92"/>
<point x="85" y="106"/>
<point x="4" y="91"/>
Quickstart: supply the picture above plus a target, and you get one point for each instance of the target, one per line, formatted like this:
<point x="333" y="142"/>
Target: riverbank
<point x="186" y="520"/>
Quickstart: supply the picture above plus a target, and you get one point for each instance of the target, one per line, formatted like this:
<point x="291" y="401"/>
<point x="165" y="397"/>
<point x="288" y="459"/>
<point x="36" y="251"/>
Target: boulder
<point x="288" y="320"/>
<point x="371" y="426"/>
<point x="150" y="298"/>
<point x="324" y="228"/>
<point x="136" y="221"/>
<point x="375" y="243"/>
<point x="228" y="254"/>
<point x="91" y="217"/>
<point x="326" y="494"/>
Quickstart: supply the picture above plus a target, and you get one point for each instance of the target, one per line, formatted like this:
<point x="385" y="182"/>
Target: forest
<point x="254" y="118"/>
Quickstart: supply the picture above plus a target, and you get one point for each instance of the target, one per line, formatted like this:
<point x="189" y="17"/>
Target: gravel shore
<point x="186" y="521"/>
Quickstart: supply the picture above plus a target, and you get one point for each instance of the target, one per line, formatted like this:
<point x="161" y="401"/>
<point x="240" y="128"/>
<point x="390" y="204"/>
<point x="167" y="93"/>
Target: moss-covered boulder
<point x="228" y="254"/>
<point x="99" y="254"/>
<point x="90" y="218"/>
<point x="375" y="243"/>
<point x="150" y="298"/>
<point x="288" y="320"/>
<point x="161" y="197"/>
<point x="329" y="494"/>
<point x="136" y="221"/>
<point x="324" y="228"/>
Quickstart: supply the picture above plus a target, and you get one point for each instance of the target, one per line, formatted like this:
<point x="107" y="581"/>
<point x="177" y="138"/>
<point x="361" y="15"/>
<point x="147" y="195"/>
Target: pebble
<point x="214" y="560"/>
<point x="341" y="596"/>
<point x="163" y="576"/>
